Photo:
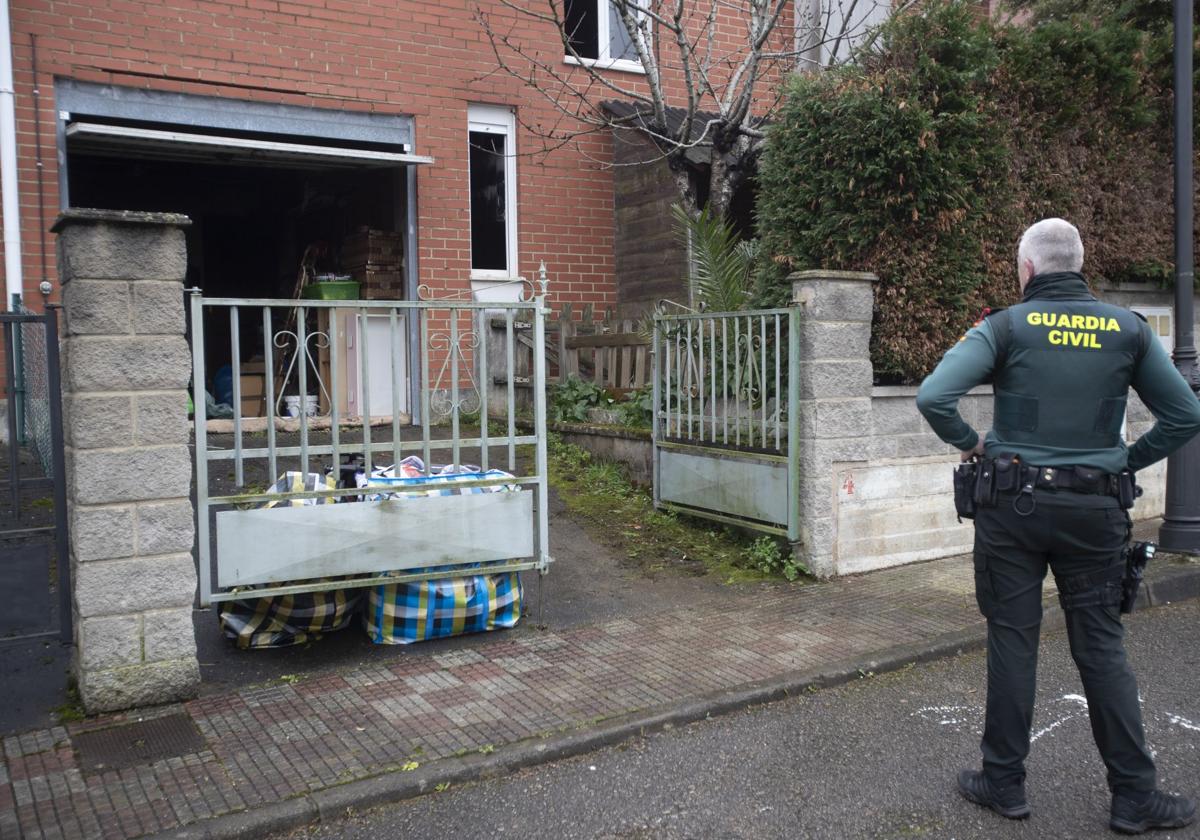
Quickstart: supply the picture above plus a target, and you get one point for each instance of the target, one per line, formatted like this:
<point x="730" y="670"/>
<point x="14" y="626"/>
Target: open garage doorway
<point x="286" y="202"/>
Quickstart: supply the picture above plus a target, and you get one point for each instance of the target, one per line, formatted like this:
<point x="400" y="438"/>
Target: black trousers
<point x="1080" y="538"/>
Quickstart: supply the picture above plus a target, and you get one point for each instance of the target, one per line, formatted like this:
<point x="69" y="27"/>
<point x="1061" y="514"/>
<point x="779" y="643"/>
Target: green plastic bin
<point x="331" y="290"/>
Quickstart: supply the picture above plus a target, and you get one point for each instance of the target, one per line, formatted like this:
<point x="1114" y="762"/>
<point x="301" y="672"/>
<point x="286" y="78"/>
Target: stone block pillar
<point x="126" y="366"/>
<point x="835" y="398"/>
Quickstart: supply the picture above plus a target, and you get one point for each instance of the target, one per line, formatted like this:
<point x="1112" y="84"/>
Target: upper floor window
<point x="596" y="33"/>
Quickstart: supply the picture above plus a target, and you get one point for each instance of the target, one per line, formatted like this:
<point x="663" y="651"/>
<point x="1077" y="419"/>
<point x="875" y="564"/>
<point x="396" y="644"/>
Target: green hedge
<point x="923" y="163"/>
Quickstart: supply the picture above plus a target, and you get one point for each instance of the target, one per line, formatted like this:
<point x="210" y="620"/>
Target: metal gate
<point x="35" y="570"/>
<point x="726" y="424"/>
<point x="427" y="361"/>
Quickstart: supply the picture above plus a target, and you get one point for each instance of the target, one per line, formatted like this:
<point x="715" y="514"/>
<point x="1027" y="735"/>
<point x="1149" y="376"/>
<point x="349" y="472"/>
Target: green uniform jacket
<point x="1061" y="363"/>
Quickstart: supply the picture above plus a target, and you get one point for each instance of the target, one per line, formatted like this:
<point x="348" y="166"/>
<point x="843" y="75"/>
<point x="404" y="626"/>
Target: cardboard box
<point x="381" y="284"/>
<point x="254" y="387"/>
<point x="367" y="246"/>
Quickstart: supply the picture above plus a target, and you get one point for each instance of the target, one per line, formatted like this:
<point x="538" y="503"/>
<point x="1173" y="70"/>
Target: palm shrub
<point x="721" y="262"/>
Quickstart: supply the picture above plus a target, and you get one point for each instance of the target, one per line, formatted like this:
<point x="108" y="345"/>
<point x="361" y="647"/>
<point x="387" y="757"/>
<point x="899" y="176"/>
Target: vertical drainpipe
<point x="9" y="203"/>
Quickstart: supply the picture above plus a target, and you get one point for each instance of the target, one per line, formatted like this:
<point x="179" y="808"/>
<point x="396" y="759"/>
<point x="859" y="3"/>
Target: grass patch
<point x="71" y="710"/>
<point x="621" y="515"/>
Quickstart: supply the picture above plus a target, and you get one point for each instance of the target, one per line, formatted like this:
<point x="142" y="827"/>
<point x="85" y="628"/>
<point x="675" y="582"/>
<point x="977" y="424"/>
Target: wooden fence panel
<point x="612" y="354"/>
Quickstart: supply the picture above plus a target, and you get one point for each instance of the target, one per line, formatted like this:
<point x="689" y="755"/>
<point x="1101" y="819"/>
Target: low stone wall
<point x="630" y="447"/>
<point x="897" y="506"/>
<point x="875" y="481"/>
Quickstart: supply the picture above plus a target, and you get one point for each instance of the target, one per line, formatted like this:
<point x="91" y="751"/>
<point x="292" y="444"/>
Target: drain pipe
<point x="9" y="203"/>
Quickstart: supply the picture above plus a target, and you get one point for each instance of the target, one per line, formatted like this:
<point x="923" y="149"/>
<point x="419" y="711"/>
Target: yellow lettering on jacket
<point x="1073" y="330"/>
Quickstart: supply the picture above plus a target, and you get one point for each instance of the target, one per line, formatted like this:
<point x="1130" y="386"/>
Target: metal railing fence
<point x="37" y="336"/>
<point x="33" y="411"/>
<point x="333" y="342"/>
<point x="726" y="416"/>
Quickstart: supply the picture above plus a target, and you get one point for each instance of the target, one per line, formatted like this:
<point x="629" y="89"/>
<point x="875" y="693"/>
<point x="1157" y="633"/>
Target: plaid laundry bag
<point x="410" y="467"/>
<point x="403" y="613"/>
<point x="284" y="620"/>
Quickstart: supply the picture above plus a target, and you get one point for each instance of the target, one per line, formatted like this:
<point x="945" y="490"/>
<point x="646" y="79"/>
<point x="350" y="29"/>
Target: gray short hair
<point x="1052" y="245"/>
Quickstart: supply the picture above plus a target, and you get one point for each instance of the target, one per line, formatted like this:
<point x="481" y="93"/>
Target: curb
<point x="1179" y="583"/>
<point x="1176" y="582"/>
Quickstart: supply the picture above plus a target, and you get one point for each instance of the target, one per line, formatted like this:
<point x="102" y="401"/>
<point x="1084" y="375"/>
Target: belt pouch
<point x="965" y="478"/>
<point x="1088" y="480"/>
<point x="1008" y="474"/>
<point x="1126" y="490"/>
<point x="986" y="487"/>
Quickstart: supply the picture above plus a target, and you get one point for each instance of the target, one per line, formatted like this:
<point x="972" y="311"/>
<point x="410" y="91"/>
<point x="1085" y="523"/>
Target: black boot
<point x="1006" y="801"/>
<point x="1134" y="813"/>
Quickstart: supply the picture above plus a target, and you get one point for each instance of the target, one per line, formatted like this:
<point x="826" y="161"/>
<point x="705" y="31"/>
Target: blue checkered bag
<point x="435" y="485"/>
<point x="403" y="613"/>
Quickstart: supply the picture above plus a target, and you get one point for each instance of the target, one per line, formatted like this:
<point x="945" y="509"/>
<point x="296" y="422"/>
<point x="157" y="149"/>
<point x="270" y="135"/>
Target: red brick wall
<point x="389" y="56"/>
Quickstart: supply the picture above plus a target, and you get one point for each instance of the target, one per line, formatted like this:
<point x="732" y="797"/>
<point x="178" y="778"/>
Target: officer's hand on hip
<point x="968" y="454"/>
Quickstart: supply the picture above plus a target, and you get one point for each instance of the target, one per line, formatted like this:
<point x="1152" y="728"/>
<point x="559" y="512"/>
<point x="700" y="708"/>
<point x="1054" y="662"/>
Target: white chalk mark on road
<point x="1182" y="722"/>
<point x="1080" y="708"/>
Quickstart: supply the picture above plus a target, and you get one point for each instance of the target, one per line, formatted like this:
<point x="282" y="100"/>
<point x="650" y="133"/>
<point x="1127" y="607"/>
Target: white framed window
<point x="828" y="31"/>
<point x="598" y="36"/>
<point x="492" y="172"/>
<point x="1161" y="320"/>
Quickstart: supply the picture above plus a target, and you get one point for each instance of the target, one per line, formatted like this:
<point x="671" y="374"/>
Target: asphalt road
<point x="872" y="759"/>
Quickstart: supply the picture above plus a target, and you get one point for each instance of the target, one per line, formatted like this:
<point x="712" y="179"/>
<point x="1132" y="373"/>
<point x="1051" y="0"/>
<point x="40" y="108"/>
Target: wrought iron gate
<point x="341" y="355"/>
<point x="35" y="569"/>
<point x="726" y="424"/>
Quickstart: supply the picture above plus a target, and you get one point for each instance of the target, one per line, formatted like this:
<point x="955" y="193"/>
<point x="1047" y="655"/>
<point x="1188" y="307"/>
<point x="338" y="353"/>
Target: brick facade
<point x="427" y="60"/>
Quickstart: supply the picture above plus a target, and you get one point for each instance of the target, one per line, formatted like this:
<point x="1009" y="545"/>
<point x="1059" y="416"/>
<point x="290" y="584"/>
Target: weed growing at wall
<point x="570" y="400"/>
<point x="622" y="516"/>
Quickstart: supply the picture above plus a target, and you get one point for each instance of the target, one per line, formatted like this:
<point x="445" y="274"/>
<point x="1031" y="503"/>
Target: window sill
<point x="622" y="65"/>
<point x="487" y="287"/>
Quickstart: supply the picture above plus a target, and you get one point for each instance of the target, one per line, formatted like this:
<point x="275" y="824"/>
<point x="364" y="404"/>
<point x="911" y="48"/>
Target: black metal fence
<point x="36" y="519"/>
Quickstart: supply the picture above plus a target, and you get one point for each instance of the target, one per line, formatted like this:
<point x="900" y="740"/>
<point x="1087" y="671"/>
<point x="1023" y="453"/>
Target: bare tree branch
<point x="697" y="89"/>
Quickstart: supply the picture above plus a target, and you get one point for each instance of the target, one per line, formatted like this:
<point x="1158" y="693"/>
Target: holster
<point x="1127" y="489"/>
<point x="1137" y="555"/>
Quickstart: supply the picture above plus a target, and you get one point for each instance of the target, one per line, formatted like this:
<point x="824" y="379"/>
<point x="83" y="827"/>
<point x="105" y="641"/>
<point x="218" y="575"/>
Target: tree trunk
<point x="730" y="166"/>
<point x="684" y="184"/>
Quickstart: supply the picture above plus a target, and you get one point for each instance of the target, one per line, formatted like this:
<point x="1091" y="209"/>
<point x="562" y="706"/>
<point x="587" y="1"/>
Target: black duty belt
<point x="1075" y="479"/>
<point x="1006" y="474"/>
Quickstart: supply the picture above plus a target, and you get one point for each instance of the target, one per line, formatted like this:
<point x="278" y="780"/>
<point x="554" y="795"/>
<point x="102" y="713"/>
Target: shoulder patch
<point x="988" y="312"/>
<point x="983" y="316"/>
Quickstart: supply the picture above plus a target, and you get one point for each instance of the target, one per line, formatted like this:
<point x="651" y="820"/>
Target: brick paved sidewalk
<point x="263" y="745"/>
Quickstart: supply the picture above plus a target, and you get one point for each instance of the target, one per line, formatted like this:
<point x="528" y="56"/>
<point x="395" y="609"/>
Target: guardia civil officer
<point x="1054" y="467"/>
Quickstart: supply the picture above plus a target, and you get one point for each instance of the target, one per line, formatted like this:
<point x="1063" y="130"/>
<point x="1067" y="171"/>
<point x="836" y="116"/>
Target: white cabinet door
<point x="382" y="374"/>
